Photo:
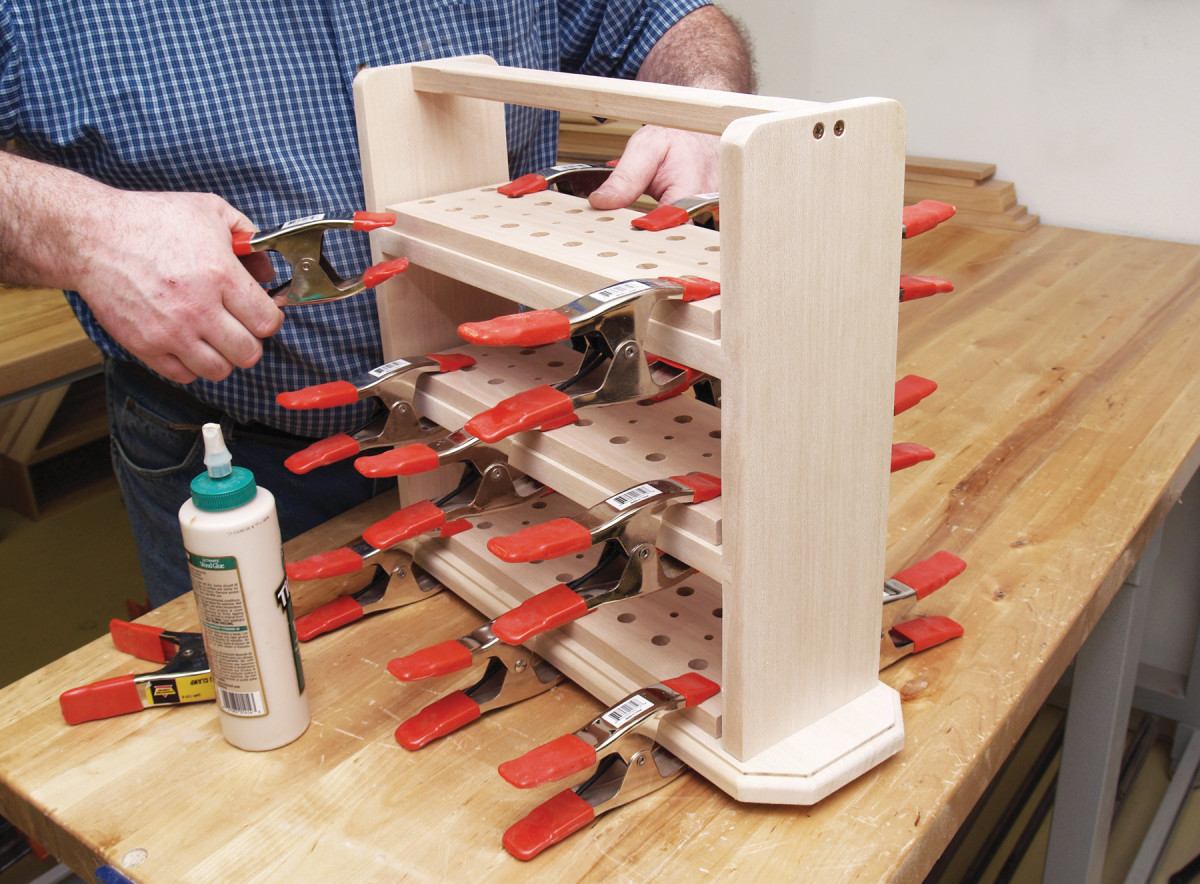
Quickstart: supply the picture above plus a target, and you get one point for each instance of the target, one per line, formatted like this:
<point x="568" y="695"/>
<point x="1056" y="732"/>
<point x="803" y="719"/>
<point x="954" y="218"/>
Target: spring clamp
<point x="611" y="323"/>
<point x="489" y="484"/>
<point x="577" y="179"/>
<point x="630" y="564"/>
<point x="899" y="637"/>
<point x="394" y="384"/>
<point x="186" y="678"/>
<point x="620" y="745"/>
<point x="314" y="281"/>
<point x="397" y="582"/>
<point x="704" y="210"/>
<point x="508" y="675"/>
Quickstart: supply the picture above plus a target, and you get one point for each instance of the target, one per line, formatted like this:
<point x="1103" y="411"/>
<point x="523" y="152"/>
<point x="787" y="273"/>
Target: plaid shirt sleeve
<point x="613" y="39"/>
<point x="10" y="75"/>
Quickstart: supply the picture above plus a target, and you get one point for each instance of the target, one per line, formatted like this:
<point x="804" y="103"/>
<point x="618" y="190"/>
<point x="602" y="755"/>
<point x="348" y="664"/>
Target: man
<point x="155" y="131"/>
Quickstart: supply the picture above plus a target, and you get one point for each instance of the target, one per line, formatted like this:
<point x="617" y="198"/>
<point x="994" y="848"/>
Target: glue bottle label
<point x="227" y="638"/>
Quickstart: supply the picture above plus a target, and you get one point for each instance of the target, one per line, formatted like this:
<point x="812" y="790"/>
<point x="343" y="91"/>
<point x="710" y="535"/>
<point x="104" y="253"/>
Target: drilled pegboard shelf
<point x="539" y="249"/>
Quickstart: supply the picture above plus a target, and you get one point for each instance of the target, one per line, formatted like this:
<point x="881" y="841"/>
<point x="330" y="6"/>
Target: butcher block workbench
<point x="1065" y="424"/>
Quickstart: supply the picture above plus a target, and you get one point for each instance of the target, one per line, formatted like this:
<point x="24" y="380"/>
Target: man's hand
<point x="157" y="269"/>
<point x="704" y="49"/>
<point x="667" y="164"/>
<point x="166" y="285"/>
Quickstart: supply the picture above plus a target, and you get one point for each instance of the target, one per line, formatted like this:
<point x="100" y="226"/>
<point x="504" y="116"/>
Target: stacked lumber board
<point x="981" y="200"/>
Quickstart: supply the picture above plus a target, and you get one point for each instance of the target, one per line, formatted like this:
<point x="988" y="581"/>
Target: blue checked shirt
<point x="253" y="102"/>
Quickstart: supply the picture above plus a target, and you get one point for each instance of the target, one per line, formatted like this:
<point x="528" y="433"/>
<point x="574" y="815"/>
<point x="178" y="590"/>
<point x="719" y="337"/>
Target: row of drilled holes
<point x="674" y="237"/>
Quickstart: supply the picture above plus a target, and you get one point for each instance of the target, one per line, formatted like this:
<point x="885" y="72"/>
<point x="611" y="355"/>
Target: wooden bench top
<point x="41" y="341"/>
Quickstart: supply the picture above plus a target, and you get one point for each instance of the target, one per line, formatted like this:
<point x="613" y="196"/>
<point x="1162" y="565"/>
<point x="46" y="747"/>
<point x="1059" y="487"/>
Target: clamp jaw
<point x="612" y="323"/>
<point x="394" y="384"/>
<point x="508" y="675"/>
<point x="397" y="582"/>
<point x="313" y="280"/>
<point x="898" y="637"/>
<point x="630" y="564"/>
<point x="186" y="678"/>
<point x="620" y="746"/>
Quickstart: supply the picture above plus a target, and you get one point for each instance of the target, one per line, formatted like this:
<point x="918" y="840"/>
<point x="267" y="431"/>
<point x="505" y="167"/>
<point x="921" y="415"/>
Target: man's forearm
<point x="43" y="207"/>
<point x="703" y="49"/>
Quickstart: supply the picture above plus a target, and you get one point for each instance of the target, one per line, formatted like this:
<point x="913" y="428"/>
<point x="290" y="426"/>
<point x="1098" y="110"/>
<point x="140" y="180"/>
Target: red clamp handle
<point x="439" y="718"/>
<point x="547" y="824"/>
<point x="440" y="659"/>
<point x="241" y="244"/>
<point x="530" y="329"/>
<point x="925" y="215"/>
<point x="320" y="396"/>
<point x="531" y="183"/>
<point x="914" y="287"/>
<point x="695" y="288"/>
<point x="319" y="454"/>
<point x="927" y="632"/>
<point x="931" y="574"/>
<point x="142" y="641"/>
<point x="705" y="485"/>
<point x="458" y="526"/>
<point x="549" y="540"/>
<point x="528" y="410"/>
<point x="549" y="762"/>
<point x="414" y="519"/>
<point x="328" y="617"/>
<point x="662" y="218"/>
<point x="408" y="460"/>
<point x="104" y="699"/>
<point x="547" y="610"/>
<point x="910" y="390"/>
<point x="907" y="454"/>
<point x="334" y="563"/>
<point x="451" y="361"/>
<point x="693" y="687"/>
<point x="373" y="220"/>
<point x="373" y="276"/>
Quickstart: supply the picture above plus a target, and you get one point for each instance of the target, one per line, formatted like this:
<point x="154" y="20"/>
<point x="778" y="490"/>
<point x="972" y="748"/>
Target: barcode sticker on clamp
<point x="620" y="289"/>
<point x="630" y="496"/>
<point x="381" y="370"/>
<point x="629" y="709"/>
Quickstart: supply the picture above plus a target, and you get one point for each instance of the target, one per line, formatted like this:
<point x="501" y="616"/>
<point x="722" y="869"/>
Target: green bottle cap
<point x="225" y="493"/>
<point x="222" y="486"/>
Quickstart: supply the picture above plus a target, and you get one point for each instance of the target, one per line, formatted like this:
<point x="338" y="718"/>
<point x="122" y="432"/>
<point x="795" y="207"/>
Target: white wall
<point x="1091" y="108"/>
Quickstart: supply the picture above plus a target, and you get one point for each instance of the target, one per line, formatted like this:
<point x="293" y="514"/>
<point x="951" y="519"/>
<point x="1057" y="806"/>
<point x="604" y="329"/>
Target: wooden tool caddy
<point x="786" y="616"/>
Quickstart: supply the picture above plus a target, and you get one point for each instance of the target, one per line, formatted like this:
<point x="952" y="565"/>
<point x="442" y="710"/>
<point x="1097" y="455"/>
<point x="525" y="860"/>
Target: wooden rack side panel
<point x="810" y="248"/>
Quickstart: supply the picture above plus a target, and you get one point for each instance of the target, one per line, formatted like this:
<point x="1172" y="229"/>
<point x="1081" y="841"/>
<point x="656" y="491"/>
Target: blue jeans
<point x="157" y="450"/>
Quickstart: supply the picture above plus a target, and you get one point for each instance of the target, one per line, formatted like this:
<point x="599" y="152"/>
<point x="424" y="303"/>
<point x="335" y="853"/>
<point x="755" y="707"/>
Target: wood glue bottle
<point x="235" y="556"/>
